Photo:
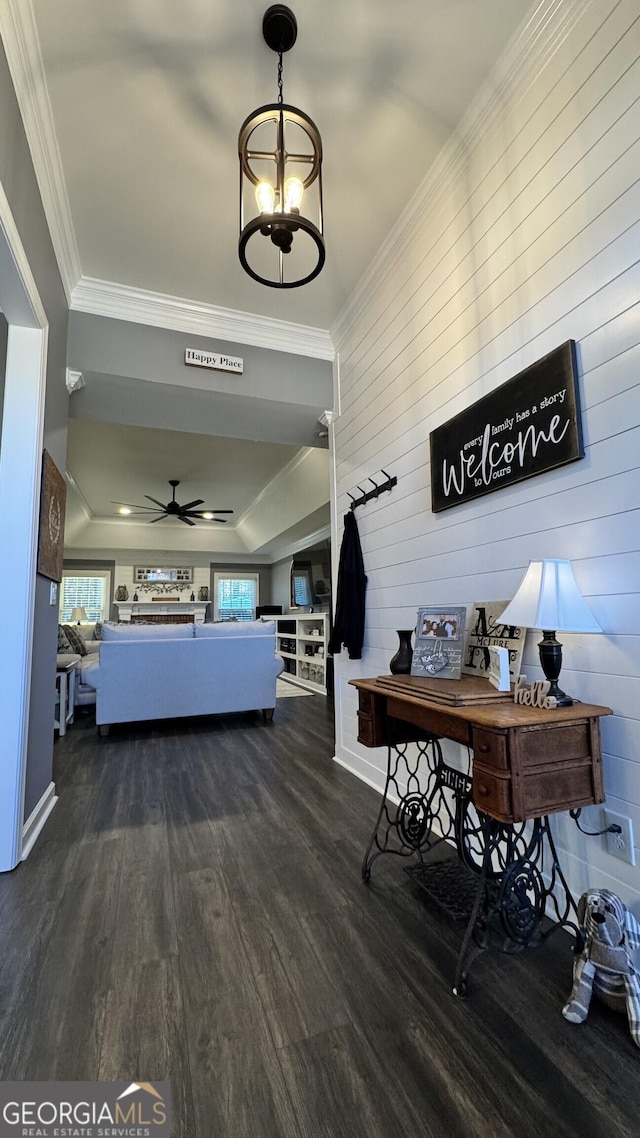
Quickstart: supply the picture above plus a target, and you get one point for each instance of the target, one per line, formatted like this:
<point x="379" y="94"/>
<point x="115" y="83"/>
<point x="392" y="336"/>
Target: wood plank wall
<point x="525" y="234"/>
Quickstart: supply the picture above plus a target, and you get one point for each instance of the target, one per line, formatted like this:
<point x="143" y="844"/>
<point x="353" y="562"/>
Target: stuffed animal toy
<point x="604" y="966"/>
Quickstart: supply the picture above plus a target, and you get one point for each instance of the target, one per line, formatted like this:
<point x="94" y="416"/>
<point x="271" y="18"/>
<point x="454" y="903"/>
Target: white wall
<point x="525" y="234"/>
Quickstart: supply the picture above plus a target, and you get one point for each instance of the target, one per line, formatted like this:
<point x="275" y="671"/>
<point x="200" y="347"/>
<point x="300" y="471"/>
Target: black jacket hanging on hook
<point x="348" y="625"/>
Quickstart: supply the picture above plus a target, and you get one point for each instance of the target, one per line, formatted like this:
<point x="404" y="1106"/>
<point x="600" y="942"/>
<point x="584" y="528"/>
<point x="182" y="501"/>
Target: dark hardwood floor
<point x="194" y="911"/>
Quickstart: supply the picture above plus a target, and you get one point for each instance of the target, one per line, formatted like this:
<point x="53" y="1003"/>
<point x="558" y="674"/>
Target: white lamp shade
<point x="79" y="613"/>
<point x="549" y="598"/>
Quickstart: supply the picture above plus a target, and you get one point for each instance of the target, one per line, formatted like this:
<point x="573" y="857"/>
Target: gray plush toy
<point x="604" y="966"/>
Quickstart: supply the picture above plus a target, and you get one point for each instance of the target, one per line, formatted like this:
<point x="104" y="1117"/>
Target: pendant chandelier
<point x="280" y="152"/>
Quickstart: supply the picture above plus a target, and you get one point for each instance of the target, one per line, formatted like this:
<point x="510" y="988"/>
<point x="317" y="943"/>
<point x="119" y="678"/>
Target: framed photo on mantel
<point x="485" y="632"/>
<point x="439" y="639"/>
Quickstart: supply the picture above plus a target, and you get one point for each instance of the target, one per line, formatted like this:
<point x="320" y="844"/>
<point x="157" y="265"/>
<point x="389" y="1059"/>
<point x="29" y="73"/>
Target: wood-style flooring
<point x="194" y="911"/>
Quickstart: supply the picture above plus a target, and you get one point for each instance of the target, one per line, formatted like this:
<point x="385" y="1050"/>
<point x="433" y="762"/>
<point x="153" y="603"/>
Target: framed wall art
<point x="53" y="496"/>
<point x="179" y="576"/>
<point x="527" y="426"/>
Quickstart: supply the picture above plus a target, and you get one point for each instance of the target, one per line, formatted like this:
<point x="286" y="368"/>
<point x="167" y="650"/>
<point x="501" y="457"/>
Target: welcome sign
<point x="528" y="425"/>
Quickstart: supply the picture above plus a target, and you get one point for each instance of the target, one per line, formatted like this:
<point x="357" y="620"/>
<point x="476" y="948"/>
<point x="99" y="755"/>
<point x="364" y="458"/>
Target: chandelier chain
<point x="280" y="78"/>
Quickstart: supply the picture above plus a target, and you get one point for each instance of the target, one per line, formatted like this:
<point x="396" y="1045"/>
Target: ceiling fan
<point x="184" y="513"/>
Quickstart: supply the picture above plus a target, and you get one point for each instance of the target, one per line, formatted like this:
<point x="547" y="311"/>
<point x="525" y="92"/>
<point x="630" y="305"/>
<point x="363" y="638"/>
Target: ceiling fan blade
<point x="201" y="518"/>
<point x="134" y="505"/>
<point x="187" y="521"/>
<point x="190" y="505"/>
<point x="207" y="510"/>
<point x="158" y="519"/>
<point x="160" y="504"/>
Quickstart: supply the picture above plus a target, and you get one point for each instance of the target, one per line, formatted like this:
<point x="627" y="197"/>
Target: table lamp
<point x="549" y="598"/>
<point x="78" y="613"/>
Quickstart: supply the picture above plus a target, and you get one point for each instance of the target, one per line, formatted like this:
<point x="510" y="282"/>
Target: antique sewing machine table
<point x="524" y="763"/>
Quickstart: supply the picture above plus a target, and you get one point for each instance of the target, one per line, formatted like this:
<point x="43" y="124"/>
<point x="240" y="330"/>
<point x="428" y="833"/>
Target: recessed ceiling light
<point x="208" y="516"/>
<point x="124" y="510"/>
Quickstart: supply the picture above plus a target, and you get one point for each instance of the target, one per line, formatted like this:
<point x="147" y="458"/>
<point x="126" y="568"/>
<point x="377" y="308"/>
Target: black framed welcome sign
<point x="528" y="425"/>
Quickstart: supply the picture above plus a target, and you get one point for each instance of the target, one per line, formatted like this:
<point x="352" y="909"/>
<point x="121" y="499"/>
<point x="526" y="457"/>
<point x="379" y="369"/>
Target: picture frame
<point x="498" y="674"/>
<point x="181" y="575"/>
<point x="53" y="498"/>
<point x="439" y="640"/>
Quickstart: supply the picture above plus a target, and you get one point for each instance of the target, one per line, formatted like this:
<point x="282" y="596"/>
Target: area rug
<point x="284" y="689"/>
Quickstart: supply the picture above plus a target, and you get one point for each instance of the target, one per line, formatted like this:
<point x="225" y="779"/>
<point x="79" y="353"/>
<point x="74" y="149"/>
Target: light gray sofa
<point x="84" y="691"/>
<point x="161" y="671"/>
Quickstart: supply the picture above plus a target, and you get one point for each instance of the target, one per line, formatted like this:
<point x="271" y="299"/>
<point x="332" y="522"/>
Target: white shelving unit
<point x="302" y="643"/>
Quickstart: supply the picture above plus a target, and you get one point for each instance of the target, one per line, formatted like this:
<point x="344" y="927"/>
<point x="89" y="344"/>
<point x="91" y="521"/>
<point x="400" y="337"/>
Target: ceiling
<point x="117" y="460"/>
<point x="148" y="97"/>
<point x="138" y="104"/>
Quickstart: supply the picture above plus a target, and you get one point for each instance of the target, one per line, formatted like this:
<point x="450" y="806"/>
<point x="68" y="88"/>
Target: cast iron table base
<point x="507" y="874"/>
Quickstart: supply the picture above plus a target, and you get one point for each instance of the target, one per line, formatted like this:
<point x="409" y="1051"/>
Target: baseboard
<point x="36" y="820"/>
<point x="360" y="768"/>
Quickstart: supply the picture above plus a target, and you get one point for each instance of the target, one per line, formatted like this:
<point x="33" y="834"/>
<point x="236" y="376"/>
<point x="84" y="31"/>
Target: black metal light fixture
<point x="280" y="152"/>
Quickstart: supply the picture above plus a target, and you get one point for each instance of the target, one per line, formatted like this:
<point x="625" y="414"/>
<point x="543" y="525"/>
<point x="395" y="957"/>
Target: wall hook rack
<point x="379" y="488"/>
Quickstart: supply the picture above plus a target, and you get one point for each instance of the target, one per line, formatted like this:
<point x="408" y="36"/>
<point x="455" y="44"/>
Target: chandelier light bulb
<point x="265" y="197"/>
<point x="293" y="191"/>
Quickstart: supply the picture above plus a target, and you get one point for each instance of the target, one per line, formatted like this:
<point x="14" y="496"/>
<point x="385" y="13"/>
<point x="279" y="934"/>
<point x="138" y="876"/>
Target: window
<point x="91" y="590"/>
<point x="301" y="591"/>
<point x="300" y="587"/>
<point x="235" y="597"/>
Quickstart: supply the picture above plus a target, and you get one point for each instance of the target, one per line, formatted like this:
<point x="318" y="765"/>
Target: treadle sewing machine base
<point x="527" y="763"/>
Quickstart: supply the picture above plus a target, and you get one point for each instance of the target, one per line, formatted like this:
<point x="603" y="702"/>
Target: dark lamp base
<point x="551" y="660"/>
<point x="561" y="697"/>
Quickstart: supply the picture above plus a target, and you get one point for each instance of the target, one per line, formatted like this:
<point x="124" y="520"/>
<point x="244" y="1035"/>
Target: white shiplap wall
<point x="525" y="234"/>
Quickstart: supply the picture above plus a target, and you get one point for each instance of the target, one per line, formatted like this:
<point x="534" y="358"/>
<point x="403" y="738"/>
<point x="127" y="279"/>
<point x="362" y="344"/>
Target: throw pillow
<point x="63" y="644"/>
<point x="76" y="640"/>
<point x="97" y="632"/>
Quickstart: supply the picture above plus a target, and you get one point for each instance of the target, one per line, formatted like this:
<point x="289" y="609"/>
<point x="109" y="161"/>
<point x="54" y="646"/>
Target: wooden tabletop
<point x="493" y="709"/>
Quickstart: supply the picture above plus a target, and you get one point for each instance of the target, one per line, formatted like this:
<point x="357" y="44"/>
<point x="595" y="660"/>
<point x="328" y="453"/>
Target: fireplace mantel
<point x="197" y="610"/>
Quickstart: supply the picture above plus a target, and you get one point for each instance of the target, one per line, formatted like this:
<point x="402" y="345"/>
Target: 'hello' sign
<point x="528" y="425"/>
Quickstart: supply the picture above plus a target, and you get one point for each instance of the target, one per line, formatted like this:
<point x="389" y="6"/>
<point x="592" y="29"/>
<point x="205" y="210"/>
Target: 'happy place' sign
<point x="528" y="425"/>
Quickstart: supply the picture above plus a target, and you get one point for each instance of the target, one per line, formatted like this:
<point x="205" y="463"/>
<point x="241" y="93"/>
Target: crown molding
<point x="82" y="501"/>
<point x="282" y="477"/>
<point x="74" y="380"/>
<point x="103" y="298"/>
<point x="312" y="539"/>
<point x="122" y="302"/>
<point x="524" y="58"/>
<point x="24" y="58"/>
<point x="327" y="418"/>
<point x="278" y="556"/>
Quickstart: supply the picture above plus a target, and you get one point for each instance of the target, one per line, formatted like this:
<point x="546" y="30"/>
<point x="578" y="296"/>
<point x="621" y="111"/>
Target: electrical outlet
<point x="620" y="845"/>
